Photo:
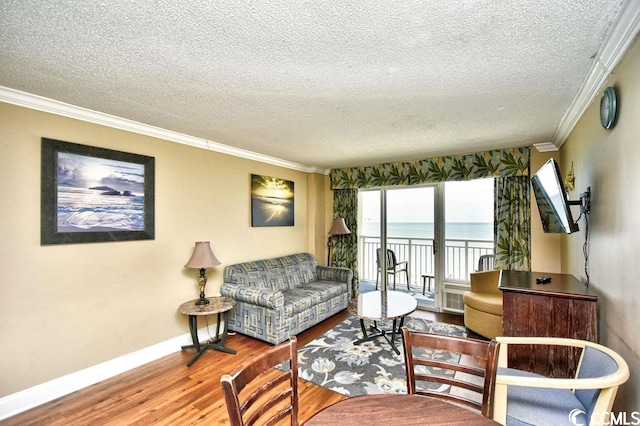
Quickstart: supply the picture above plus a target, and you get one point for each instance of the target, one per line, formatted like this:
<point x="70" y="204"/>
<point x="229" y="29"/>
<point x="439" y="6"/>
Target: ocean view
<point x="471" y="231"/>
<point x="81" y="209"/>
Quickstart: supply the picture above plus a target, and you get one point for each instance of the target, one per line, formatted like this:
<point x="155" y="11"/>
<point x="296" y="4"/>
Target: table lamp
<point x="339" y="227"/>
<point x="202" y="258"/>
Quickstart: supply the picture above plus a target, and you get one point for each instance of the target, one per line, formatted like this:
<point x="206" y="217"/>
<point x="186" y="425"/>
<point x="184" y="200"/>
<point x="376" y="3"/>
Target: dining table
<point x="396" y="409"/>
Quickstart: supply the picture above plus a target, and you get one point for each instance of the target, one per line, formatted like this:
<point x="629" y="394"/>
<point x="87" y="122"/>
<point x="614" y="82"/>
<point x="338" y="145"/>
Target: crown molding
<point x="622" y="35"/>
<point x="28" y="100"/>
<point x="545" y="147"/>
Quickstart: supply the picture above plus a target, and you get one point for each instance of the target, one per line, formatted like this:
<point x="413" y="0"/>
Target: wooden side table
<point x="217" y="305"/>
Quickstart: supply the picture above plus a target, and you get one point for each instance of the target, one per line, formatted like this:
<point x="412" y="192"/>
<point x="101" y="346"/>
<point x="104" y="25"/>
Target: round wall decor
<point x="609" y="107"/>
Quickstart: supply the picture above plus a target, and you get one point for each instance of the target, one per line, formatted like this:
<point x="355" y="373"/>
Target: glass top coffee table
<point x="382" y="306"/>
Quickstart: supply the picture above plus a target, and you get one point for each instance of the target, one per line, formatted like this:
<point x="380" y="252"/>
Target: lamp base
<point x="202" y="301"/>
<point x="202" y="282"/>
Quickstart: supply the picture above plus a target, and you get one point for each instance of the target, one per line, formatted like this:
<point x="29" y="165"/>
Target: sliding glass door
<point x="434" y="233"/>
<point x="408" y="216"/>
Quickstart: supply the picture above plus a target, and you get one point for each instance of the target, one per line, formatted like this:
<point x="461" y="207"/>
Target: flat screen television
<point x="552" y="199"/>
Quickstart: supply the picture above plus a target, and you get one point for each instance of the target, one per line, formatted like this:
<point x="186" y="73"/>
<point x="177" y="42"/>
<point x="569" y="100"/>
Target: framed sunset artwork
<point x="272" y="201"/>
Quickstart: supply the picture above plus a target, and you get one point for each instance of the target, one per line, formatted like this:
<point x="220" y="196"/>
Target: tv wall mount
<point x="584" y="202"/>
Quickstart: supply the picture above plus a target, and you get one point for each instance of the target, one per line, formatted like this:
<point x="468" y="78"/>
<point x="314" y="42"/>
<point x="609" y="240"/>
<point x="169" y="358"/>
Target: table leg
<point x="193" y="329"/>
<point x="392" y="342"/>
<point x="380" y="333"/>
<point x="401" y="323"/>
<point x="364" y="329"/>
<point x="217" y="343"/>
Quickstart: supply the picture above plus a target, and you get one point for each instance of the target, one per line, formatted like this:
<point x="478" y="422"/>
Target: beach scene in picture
<point x="271" y="201"/>
<point x="99" y="195"/>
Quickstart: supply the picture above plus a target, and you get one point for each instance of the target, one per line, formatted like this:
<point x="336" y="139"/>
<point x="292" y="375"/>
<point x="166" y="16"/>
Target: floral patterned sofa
<point x="281" y="297"/>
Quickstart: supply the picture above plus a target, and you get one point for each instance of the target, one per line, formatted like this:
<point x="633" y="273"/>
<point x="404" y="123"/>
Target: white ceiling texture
<point x="318" y="84"/>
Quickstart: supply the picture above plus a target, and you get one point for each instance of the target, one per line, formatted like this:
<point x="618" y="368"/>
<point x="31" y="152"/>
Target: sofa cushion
<point x="280" y="273"/>
<point x="308" y="295"/>
<point x="260" y="273"/>
<point x="540" y="406"/>
<point x="296" y="301"/>
<point x="321" y="291"/>
<point x="485" y="302"/>
<point x="298" y="269"/>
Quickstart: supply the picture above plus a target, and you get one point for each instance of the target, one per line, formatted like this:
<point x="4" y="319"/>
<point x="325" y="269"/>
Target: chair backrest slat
<point x="258" y="393"/>
<point x="391" y="258"/>
<point x="485" y="262"/>
<point x="476" y="358"/>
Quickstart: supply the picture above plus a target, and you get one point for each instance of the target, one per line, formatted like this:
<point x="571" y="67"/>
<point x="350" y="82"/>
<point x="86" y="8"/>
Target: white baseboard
<point x="18" y="402"/>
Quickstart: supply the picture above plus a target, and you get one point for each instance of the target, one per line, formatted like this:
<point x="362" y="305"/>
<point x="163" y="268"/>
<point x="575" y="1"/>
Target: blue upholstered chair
<point x="523" y="398"/>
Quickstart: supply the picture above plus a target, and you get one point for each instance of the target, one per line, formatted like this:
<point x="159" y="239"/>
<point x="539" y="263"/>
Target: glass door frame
<point x="438" y="235"/>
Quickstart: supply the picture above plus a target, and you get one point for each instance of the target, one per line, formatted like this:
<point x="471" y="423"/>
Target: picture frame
<point x="91" y="194"/>
<point x="272" y="201"/>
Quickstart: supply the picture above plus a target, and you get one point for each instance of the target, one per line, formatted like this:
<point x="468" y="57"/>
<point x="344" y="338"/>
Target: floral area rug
<point x="334" y="362"/>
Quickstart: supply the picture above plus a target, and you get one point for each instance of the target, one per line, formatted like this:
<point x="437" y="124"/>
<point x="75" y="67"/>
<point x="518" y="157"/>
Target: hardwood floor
<point x="167" y="392"/>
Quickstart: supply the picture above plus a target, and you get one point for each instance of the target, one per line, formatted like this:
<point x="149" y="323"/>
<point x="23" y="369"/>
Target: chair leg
<point x="424" y="283"/>
<point x="407" y="274"/>
<point x="377" y="275"/>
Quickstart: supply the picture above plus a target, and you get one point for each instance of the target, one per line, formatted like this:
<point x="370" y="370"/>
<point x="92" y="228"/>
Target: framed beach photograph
<point x="92" y="194"/>
<point x="272" y="201"/>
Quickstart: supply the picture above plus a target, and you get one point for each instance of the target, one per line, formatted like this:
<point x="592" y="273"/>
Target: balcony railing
<point x="461" y="257"/>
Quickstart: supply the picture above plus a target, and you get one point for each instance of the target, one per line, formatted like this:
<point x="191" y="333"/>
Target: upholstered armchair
<point x="524" y="398"/>
<point x="483" y="304"/>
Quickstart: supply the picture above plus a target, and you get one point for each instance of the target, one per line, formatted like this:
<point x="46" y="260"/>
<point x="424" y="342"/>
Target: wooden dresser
<point x="563" y="307"/>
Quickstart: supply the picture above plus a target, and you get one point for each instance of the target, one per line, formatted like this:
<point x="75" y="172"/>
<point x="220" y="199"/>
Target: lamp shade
<point x="202" y="257"/>
<point x="339" y="227"/>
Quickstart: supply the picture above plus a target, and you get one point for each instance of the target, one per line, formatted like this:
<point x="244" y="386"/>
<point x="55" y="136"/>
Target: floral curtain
<point x="512" y="213"/>
<point x="344" y="248"/>
<point x="508" y="162"/>
<point x="512" y="232"/>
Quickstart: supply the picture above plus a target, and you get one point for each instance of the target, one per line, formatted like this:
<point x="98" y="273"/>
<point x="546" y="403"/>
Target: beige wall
<point x="68" y="307"/>
<point x="320" y="198"/>
<point x="607" y="161"/>
<point x="546" y="255"/>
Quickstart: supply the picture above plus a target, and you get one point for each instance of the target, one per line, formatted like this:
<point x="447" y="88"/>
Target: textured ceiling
<point x="319" y="83"/>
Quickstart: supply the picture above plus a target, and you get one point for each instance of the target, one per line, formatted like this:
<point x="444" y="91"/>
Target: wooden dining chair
<point x="258" y="393"/>
<point x="427" y="356"/>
